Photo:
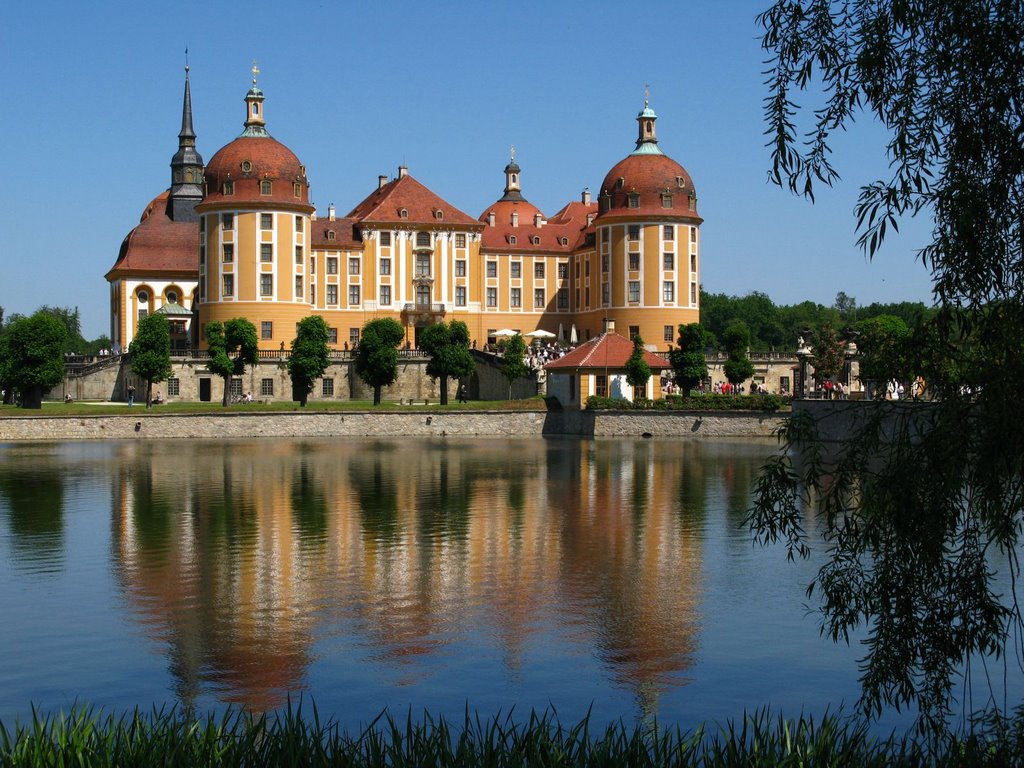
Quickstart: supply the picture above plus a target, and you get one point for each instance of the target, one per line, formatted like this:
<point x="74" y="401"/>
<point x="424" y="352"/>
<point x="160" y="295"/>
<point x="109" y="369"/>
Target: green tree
<point x="688" y="361"/>
<point x="846" y="306"/>
<point x="513" y="363"/>
<point x="638" y="372"/>
<point x="828" y="354"/>
<point x="233" y="345"/>
<point x="310" y="356"/>
<point x="448" y="347"/>
<point x="883" y="345"/>
<point x="377" y="354"/>
<point x="915" y="519"/>
<point x="150" y="352"/>
<point x="32" y="356"/>
<point x="738" y="367"/>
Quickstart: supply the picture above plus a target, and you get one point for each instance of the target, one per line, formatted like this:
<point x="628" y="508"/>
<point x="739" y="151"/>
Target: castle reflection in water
<point x="249" y="561"/>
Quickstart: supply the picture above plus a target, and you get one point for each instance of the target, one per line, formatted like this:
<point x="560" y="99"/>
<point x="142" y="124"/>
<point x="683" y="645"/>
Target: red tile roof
<point x="345" y="235"/>
<point x="384" y="205"/>
<point x="609" y="350"/>
<point x="649" y="176"/>
<point x="159" y="244"/>
<point x="567" y="226"/>
<point x="268" y="160"/>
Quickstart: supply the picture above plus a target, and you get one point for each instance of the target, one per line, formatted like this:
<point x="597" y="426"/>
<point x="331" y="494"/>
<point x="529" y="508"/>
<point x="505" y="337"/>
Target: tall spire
<point x="647" y="140"/>
<point x="186" y="165"/>
<point x="512" y="187"/>
<point x="255" y="125"/>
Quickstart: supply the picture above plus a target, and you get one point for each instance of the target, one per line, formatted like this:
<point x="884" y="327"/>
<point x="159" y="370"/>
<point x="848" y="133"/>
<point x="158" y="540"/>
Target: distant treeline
<point x="774" y="327"/>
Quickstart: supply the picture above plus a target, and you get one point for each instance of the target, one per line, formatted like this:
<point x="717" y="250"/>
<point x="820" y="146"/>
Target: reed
<point x="165" y="737"/>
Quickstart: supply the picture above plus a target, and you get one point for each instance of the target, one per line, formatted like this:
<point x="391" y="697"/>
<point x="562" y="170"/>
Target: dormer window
<point x="266" y="187"/>
<point x="693" y="202"/>
<point x="229" y="187"/>
<point x="680" y="181"/>
<point x="563" y="240"/>
<point x="666" y="201"/>
<point x="246" y="166"/>
<point x="511" y="239"/>
<point x="439" y="215"/>
<point x="621" y="182"/>
<point x="297" y="189"/>
<point x="535" y="240"/>
<point x="634" y="200"/>
<point x="330" y="234"/>
<point x="403" y="213"/>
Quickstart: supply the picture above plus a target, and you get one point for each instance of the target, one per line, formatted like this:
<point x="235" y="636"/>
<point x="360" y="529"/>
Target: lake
<point x="605" y="575"/>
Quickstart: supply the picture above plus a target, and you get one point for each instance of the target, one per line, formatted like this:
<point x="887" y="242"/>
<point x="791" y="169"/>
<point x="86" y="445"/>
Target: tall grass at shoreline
<point x="87" y="737"/>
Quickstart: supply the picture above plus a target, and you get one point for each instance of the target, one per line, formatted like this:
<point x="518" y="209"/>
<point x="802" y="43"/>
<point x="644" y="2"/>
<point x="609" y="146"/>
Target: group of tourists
<point x="834" y="390"/>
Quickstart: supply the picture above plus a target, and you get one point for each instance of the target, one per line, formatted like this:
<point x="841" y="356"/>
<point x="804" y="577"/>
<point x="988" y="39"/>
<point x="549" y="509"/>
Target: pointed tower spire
<point x="647" y="140"/>
<point x="512" y="188"/>
<point x="186" y="165"/>
<point x="255" y="125"/>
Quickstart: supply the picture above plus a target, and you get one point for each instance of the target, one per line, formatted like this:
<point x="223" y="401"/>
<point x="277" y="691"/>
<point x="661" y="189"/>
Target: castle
<point x="238" y="237"/>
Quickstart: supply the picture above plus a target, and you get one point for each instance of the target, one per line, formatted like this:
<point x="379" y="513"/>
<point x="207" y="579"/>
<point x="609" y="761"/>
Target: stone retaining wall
<point x="372" y="424"/>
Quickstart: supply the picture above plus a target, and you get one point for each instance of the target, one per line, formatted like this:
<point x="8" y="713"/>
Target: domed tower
<point x="648" y="241"/>
<point x="254" y="225"/>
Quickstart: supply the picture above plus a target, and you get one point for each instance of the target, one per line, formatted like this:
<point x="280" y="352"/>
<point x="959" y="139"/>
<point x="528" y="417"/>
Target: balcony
<point x="423" y="309"/>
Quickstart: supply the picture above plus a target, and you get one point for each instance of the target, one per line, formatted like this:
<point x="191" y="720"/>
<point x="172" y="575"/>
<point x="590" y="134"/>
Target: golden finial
<point x="255" y="72"/>
<point x="512" y="149"/>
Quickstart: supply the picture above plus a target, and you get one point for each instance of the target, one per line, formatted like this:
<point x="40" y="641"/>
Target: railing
<point x="431" y="308"/>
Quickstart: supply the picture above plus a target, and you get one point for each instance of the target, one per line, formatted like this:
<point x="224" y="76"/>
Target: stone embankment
<point x="144" y="426"/>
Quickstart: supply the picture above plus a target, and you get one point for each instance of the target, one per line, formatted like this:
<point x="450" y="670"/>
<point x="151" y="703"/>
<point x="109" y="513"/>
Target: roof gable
<point x="421" y="206"/>
<point x="609" y="350"/>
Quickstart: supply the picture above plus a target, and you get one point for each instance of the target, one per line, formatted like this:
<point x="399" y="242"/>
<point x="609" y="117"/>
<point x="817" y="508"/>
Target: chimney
<point x="490" y="219"/>
<point x="609" y="325"/>
<point x="330" y="212"/>
<point x="586" y="195"/>
<point x="538" y="220"/>
<point x="403" y="171"/>
<point x="381" y="181"/>
<point x="515" y="218"/>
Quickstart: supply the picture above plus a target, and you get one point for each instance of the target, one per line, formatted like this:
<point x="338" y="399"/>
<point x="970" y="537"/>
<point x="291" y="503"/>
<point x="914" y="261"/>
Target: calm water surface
<point x="403" y="573"/>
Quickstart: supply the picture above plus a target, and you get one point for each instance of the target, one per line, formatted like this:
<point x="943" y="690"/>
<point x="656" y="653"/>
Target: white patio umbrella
<point x="573" y="338"/>
<point x="561" y="332"/>
<point x="506" y="332"/>
<point x="540" y="333"/>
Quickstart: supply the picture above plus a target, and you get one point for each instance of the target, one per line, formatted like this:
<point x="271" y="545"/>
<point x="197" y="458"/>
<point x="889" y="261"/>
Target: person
<point x="248" y="397"/>
<point x="462" y="393"/>
<point x="67" y="398"/>
<point x="158" y="399"/>
<point x="131" y="395"/>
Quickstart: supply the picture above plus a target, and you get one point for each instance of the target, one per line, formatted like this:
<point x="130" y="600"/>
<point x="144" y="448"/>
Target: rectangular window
<point x="634" y="331"/>
<point x="422" y="239"/>
<point x="693" y="262"/>
<point x="229" y="285"/>
<point x="634" y="231"/>
<point x="385" y="266"/>
<point x="563" y="298"/>
<point x="634" y="262"/>
<point x="538" y="270"/>
<point x="634" y="291"/>
<point x="312" y="265"/>
<point x="266" y="187"/>
<point x="667" y="334"/>
<point x="235" y="387"/>
<point x="143" y="314"/>
<point x="385" y="239"/>
<point x="229" y="187"/>
<point x="492" y="297"/>
<point x="332" y="335"/>
<point x="266" y="252"/>
<point x="460" y="267"/>
<point x="353" y="295"/>
<point x="327" y="387"/>
<point x="693" y="234"/>
<point x="605" y="262"/>
<point x="460" y="296"/>
<point x="385" y="295"/>
<point x="228" y="253"/>
<point x="298" y="288"/>
<point x="668" y="291"/>
<point x="332" y="294"/>
<point x="353" y="266"/>
<point x="586" y="295"/>
<point x="202" y="259"/>
<point x="693" y="293"/>
<point x="299" y="255"/>
<point x="563" y="271"/>
<point x="227" y="220"/>
<point x="266" y="285"/>
<point x="173" y="387"/>
<point x="517" y="297"/>
<point x="353" y="335"/>
<point x="298" y="224"/>
<point x="422" y="265"/>
<point x="669" y="232"/>
<point x="586" y="269"/>
<point x="332" y="265"/>
<point x="783" y="385"/>
<point x="492" y="269"/>
<point x="668" y="261"/>
<point x="606" y="294"/>
<point x="538" y="298"/>
<point x="516" y="268"/>
<point x="601" y="388"/>
<point x="312" y="293"/>
<point x="266" y="387"/>
<point x="460" y="241"/>
<point x="266" y="221"/>
<point x="266" y="329"/>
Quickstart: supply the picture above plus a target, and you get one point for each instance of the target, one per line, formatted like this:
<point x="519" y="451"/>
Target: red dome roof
<point x="247" y="162"/>
<point x="649" y="176"/>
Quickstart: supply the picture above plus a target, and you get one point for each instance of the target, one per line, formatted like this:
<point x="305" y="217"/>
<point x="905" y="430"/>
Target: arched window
<point x="266" y="187"/>
<point x="403" y="214"/>
<point x="172" y="297"/>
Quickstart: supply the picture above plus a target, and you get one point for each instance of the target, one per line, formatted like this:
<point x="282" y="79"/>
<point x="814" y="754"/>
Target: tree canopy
<point x="448" y="347"/>
<point x="150" y="352"/>
<point x="309" y="357"/>
<point x="513" y="363"/>
<point x="377" y="354"/>
<point x="32" y="356"/>
<point x="688" y="361"/>
<point x="233" y="345"/>
<point x="738" y="367"/>
<point x="916" y="513"/>
<point x="638" y="372"/>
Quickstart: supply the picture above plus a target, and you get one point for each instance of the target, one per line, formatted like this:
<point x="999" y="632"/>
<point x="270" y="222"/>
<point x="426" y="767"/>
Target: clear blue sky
<point x="92" y="108"/>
